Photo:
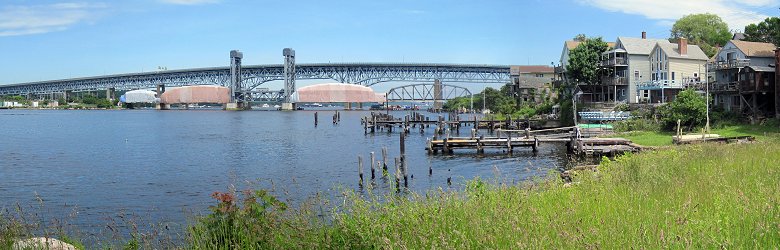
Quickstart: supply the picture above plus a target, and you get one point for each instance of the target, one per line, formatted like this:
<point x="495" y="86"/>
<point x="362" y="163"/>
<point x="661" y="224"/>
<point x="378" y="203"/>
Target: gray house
<point x="728" y="70"/>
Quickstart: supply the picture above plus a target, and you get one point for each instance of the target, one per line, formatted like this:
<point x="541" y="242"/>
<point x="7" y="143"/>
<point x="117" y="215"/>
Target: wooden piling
<point x="397" y="175"/>
<point x="373" y="160"/>
<point x="384" y="159"/>
<point x="360" y="169"/>
<point x="315" y="119"/>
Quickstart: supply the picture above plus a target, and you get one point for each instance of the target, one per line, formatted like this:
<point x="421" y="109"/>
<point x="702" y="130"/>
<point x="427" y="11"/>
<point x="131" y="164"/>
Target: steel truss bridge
<point x="246" y="80"/>
<point x="436" y="92"/>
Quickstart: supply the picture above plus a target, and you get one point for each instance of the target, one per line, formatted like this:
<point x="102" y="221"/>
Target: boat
<point x="265" y="105"/>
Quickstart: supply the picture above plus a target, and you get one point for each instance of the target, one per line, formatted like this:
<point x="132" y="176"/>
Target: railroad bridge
<point x="244" y="81"/>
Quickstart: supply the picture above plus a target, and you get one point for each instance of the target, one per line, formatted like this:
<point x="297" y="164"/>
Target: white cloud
<point x="190" y="2"/>
<point x="736" y="13"/>
<point x="38" y="19"/>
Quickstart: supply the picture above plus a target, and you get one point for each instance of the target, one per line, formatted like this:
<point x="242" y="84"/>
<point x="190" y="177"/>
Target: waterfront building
<point x="532" y="83"/>
<point x="741" y="75"/>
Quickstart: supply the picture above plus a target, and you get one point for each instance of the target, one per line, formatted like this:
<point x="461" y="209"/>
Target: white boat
<point x="265" y="105"/>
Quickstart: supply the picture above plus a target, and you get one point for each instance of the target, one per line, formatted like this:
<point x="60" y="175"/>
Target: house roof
<point x="573" y="44"/>
<point x="532" y="69"/>
<point x="762" y="68"/>
<point x="639" y="46"/>
<point x="672" y="51"/>
<point x="755" y="49"/>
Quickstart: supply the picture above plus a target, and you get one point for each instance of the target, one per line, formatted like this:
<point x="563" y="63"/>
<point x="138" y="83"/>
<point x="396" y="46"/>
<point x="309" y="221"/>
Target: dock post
<point x="527" y="133"/>
<point x="360" y="170"/>
<point x="315" y="119"/>
<point x="473" y="133"/>
<point x="536" y="144"/>
<point x="338" y="116"/>
<point x="446" y="149"/>
<point x="397" y="176"/>
<point x="429" y="145"/>
<point x="403" y="156"/>
<point x="480" y="150"/>
<point x="373" y="161"/>
<point x="509" y="141"/>
<point x="373" y="123"/>
<point x="384" y="160"/>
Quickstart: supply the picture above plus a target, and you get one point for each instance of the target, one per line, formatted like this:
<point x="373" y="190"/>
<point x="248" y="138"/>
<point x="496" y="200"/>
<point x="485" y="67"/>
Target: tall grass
<point x="701" y="196"/>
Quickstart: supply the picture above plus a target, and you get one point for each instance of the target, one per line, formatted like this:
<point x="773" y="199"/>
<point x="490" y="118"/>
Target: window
<point x="672" y="75"/>
<point x="636" y="74"/>
<point x="645" y="94"/>
<point x="539" y="75"/>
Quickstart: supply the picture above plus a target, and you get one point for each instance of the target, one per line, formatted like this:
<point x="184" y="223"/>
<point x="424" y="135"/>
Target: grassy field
<point x="695" y="196"/>
<point x="663" y="138"/>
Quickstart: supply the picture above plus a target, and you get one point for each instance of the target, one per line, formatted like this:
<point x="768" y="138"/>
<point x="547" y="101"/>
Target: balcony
<point x="725" y="87"/>
<point x="726" y="65"/>
<point x="685" y="83"/>
<point x="615" y="61"/>
<point x="614" y="80"/>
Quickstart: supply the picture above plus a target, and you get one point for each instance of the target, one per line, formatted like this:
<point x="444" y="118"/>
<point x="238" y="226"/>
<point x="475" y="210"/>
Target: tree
<point x="580" y="38"/>
<point x="689" y="107"/>
<point x="706" y="30"/>
<point x="767" y="31"/>
<point x="584" y="60"/>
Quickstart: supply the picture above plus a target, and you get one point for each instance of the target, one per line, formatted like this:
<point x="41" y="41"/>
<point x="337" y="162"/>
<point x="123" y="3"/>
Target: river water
<point x="162" y="165"/>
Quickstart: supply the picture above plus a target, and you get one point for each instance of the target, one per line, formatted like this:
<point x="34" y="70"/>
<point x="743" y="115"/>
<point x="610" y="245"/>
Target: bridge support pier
<point x="288" y="106"/>
<point x="438" y="103"/>
<point x="162" y="106"/>
<point x="237" y="106"/>
<point x="110" y="94"/>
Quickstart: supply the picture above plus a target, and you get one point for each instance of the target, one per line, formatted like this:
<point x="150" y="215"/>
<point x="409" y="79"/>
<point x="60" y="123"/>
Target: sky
<point x="46" y="40"/>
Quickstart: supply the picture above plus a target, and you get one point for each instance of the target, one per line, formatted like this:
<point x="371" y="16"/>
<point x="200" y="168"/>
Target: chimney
<point x="683" y="46"/>
<point x="644" y="35"/>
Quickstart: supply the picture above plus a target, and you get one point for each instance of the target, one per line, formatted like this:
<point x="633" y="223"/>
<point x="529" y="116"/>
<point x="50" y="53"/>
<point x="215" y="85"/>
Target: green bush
<point x="689" y="107"/>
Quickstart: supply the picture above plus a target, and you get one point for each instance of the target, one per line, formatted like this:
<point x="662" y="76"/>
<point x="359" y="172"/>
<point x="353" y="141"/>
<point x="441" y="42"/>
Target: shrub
<point x="689" y="107"/>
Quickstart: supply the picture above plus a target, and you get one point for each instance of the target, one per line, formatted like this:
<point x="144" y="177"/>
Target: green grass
<point x="664" y="138"/>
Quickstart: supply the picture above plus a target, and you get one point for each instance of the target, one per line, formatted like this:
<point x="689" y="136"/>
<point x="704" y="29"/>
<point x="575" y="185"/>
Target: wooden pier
<point x="380" y="121"/>
<point x="507" y="140"/>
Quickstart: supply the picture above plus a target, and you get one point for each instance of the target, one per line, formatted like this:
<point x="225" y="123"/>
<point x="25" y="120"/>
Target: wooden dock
<point x="380" y="121"/>
<point x="532" y="139"/>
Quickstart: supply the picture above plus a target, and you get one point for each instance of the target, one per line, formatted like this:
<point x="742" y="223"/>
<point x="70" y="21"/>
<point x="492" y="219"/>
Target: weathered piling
<point x="373" y="160"/>
<point x="397" y="175"/>
<point x="384" y="160"/>
<point x="360" y="169"/>
<point x="315" y="119"/>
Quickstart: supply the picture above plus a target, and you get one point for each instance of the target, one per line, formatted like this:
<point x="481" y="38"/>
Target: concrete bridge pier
<point x="438" y="103"/>
<point x="65" y="95"/>
<point x="162" y="106"/>
<point x="110" y="94"/>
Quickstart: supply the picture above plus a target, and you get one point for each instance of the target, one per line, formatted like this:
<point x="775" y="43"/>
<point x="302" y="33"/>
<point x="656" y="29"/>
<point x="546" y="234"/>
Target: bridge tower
<point x="289" y="78"/>
<point x="438" y="103"/>
<point x="237" y="100"/>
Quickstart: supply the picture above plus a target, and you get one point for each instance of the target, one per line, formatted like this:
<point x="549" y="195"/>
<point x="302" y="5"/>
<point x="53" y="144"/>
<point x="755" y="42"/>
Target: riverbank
<point x="664" y="138"/>
<point x="699" y="196"/>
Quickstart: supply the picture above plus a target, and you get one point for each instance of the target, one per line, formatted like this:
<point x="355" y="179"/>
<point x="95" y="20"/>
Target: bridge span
<point x="245" y="80"/>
